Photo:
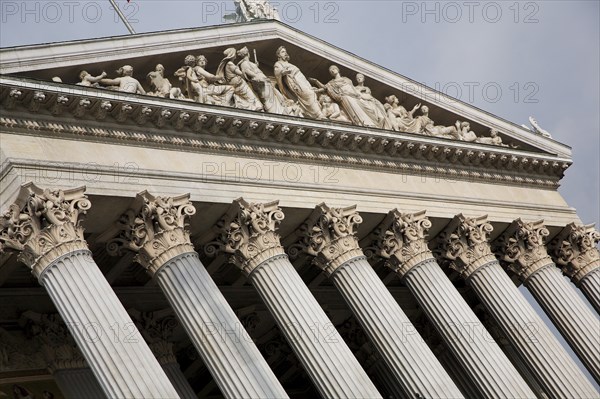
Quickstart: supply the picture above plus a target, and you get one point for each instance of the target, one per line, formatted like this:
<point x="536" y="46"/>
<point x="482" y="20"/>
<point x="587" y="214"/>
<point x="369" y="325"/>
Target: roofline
<point x="37" y="56"/>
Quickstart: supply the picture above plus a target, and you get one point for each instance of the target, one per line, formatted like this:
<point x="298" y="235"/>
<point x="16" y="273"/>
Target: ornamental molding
<point x="329" y="234"/>
<point x="401" y="239"/>
<point x="521" y="248"/>
<point x="152" y="121"/>
<point x="575" y="250"/>
<point x="464" y="245"/>
<point x="157" y="329"/>
<point x="156" y="228"/>
<point x="43" y="225"/>
<point x="248" y="232"/>
<point x="57" y="344"/>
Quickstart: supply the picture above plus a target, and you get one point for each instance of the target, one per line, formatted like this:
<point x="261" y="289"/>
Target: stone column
<point x="402" y="240"/>
<point x="464" y="245"/>
<point x="44" y="225"/>
<point x="521" y="249"/>
<point x="329" y="235"/>
<point x="248" y="233"/>
<point x="157" y="228"/>
<point x="157" y="329"/>
<point x="575" y="250"/>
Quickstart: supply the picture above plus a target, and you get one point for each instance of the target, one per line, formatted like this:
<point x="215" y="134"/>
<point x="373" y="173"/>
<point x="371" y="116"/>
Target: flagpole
<point x="118" y="10"/>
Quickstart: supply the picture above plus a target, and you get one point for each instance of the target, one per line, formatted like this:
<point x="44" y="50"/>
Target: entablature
<point x="48" y="108"/>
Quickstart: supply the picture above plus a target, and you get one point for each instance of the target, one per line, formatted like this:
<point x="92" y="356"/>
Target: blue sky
<point x="542" y="55"/>
<point x="513" y="59"/>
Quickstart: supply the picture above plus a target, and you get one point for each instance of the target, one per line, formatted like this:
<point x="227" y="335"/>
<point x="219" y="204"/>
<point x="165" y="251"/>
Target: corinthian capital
<point x="329" y="234"/>
<point x="248" y="233"/>
<point x="157" y="228"/>
<point x="521" y="248"/>
<point x="464" y="244"/>
<point x="44" y="225"/>
<point x="401" y="239"/>
<point x="575" y="250"/>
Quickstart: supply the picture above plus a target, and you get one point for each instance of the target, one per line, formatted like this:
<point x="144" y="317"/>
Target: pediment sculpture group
<point x="240" y="83"/>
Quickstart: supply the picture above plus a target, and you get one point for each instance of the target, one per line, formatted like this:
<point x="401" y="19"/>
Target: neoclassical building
<point x="247" y="211"/>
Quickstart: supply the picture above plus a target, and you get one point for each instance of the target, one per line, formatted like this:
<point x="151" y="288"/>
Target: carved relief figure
<point x="271" y="98"/>
<point x="200" y="84"/>
<point x="331" y="110"/>
<point x="243" y="96"/>
<point x="428" y="126"/>
<point x="126" y="83"/>
<point x="378" y="110"/>
<point x="294" y="86"/>
<point x="161" y="86"/>
<point x="464" y="131"/>
<point x="401" y="120"/>
<point x="342" y="90"/>
<point x="87" y="80"/>
<point x="494" y="139"/>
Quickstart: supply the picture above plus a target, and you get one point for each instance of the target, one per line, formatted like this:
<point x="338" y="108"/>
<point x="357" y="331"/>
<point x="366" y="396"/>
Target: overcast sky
<point x="543" y="56"/>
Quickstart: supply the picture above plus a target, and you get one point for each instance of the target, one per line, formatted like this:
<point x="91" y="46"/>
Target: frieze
<point x="196" y="127"/>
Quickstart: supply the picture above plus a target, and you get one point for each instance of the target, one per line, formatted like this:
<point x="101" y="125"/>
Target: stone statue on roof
<point x="250" y="10"/>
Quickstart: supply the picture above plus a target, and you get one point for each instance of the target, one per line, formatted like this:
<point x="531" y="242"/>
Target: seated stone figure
<point x="161" y="86"/>
<point x="126" y="82"/>
<point x="331" y="110"/>
<point x="87" y="80"/>
<point x="401" y="120"/>
<point x="464" y="131"/>
<point x="202" y="86"/>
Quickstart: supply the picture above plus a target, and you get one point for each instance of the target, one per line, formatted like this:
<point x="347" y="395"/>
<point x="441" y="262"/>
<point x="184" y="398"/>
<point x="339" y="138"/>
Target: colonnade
<point x="45" y="227"/>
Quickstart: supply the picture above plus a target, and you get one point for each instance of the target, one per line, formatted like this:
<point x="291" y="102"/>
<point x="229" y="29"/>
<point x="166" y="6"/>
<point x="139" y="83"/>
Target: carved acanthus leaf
<point x="575" y="250"/>
<point x="248" y="233"/>
<point x="57" y="344"/>
<point x="464" y="244"/>
<point x="44" y="224"/>
<point x="157" y="228"/>
<point x="329" y="235"/>
<point x="521" y="248"/>
<point x="402" y="240"/>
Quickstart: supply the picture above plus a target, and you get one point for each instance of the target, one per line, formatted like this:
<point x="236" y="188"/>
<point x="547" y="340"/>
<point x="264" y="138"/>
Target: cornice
<point x="56" y="109"/>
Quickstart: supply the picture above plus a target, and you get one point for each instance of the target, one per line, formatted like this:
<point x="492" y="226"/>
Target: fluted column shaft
<point x="226" y="349"/>
<point x="177" y="378"/>
<point x="556" y="372"/>
<point x="120" y="359"/>
<point x="408" y="357"/>
<point x="572" y="317"/>
<point x="78" y="383"/>
<point x="483" y="360"/>
<point x="590" y="286"/>
<point x="326" y="358"/>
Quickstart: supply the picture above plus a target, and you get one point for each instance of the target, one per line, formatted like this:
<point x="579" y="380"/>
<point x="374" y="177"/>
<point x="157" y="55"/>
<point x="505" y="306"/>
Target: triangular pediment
<point x="311" y="55"/>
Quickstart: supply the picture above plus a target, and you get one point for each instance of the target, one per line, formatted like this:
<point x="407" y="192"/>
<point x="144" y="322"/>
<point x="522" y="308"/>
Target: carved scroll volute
<point x="575" y="250"/>
<point x="329" y="235"/>
<point x="248" y="233"/>
<point x="157" y="228"/>
<point x="402" y="240"/>
<point x="521" y="248"/>
<point x="43" y="225"/>
<point x="464" y="245"/>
